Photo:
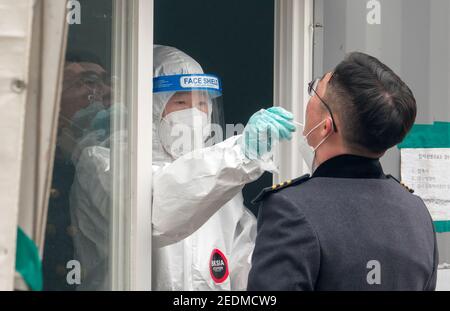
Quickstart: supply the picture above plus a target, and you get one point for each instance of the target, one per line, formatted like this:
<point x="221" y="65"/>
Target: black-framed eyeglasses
<point x="312" y="87"/>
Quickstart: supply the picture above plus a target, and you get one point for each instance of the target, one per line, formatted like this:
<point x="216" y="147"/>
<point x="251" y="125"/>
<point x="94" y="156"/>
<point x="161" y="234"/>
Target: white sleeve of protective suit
<point x="242" y="250"/>
<point x="188" y="191"/>
<point x="90" y="214"/>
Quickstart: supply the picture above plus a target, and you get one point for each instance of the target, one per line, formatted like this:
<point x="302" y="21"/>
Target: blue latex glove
<point x="102" y="120"/>
<point x="264" y="130"/>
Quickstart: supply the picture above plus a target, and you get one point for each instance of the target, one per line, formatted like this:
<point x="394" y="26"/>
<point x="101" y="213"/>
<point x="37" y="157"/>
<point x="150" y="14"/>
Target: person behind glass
<point x="85" y="95"/>
<point x="348" y="226"/>
<point x="89" y="130"/>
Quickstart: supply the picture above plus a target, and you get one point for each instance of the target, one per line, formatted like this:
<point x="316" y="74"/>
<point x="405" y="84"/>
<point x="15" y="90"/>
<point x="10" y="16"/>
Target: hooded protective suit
<point x="203" y="234"/>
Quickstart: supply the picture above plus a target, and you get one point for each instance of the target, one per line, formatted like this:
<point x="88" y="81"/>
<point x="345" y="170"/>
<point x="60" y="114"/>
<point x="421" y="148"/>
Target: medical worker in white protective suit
<point x="203" y="235"/>
<point x="197" y="195"/>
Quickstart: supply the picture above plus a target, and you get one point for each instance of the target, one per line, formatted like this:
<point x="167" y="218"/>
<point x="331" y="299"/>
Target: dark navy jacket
<point x="348" y="227"/>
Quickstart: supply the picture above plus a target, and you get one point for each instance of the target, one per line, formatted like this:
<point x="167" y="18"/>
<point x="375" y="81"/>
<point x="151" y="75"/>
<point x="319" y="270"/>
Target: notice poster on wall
<point x="427" y="171"/>
<point x="425" y="167"/>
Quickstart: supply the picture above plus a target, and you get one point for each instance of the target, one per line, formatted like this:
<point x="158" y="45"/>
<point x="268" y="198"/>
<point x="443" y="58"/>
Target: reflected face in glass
<point x="185" y="100"/>
<point x="83" y="83"/>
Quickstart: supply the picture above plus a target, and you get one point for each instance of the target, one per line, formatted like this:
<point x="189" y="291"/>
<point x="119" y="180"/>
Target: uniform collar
<point x="350" y="166"/>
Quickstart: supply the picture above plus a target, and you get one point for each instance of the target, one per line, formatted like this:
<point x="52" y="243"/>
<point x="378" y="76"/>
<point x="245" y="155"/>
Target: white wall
<point x="413" y="39"/>
<point x="443" y="280"/>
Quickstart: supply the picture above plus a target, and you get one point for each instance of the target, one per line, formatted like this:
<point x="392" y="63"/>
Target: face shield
<point x="191" y="116"/>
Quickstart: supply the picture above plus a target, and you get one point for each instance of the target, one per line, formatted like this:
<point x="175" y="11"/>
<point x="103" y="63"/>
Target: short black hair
<point x="83" y="56"/>
<point x="376" y="108"/>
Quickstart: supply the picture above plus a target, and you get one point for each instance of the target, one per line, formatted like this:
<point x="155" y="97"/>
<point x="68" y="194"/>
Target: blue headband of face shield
<point x="188" y="82"/>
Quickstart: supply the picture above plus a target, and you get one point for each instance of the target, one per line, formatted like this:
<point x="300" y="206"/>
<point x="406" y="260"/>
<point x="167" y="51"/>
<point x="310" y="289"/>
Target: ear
<point x="328" y="126"/>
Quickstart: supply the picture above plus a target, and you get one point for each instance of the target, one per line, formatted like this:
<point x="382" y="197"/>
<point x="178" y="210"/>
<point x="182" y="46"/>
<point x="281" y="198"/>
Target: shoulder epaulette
<point x="401" y="183"/>
<point x="278" y="187"/>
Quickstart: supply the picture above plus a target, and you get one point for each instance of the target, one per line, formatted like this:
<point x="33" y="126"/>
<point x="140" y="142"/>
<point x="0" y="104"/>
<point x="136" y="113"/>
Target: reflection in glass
<point x="77" y="244"/>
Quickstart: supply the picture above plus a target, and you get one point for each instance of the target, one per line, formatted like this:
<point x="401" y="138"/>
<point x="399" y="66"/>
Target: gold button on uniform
<point x="54" y="193"/>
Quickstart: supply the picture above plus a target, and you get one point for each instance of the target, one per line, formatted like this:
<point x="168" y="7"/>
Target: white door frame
<point x="131" y="236"/>
<point x="141" y="147"/>
<point x="293" y="70"/>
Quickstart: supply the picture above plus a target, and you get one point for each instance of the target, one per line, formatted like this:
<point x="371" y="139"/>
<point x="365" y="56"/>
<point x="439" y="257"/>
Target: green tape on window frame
<point x="442" y="226"/>
<point x="28" y="262"/>
<point x="436" y="135"/>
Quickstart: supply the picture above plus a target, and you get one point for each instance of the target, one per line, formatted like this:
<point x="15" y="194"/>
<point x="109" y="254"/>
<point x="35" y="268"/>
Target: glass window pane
<point x="89" y="190"/>
<point x="234" y="41"/>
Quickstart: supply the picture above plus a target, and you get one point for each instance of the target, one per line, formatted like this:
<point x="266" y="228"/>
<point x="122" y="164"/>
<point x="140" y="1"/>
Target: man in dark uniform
<point x="348" y="226"/>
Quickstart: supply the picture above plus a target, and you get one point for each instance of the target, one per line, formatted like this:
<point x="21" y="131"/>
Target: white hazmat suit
<point x="198" y="205"/>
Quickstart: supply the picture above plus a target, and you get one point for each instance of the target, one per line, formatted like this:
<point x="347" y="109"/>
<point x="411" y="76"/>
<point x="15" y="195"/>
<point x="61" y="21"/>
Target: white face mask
<point x="183" y="131"/>
<point x="308" y="152"/>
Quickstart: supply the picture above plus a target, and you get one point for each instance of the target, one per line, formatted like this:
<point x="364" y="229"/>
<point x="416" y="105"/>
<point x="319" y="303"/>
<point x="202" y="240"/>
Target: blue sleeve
<point x="287" y="251"/>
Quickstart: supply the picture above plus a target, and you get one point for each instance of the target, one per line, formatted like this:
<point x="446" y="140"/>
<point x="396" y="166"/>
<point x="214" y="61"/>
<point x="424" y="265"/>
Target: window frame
<point x="131" y="236"/>
<point x="293" y="62"/>
<point x="141" y="148"/>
